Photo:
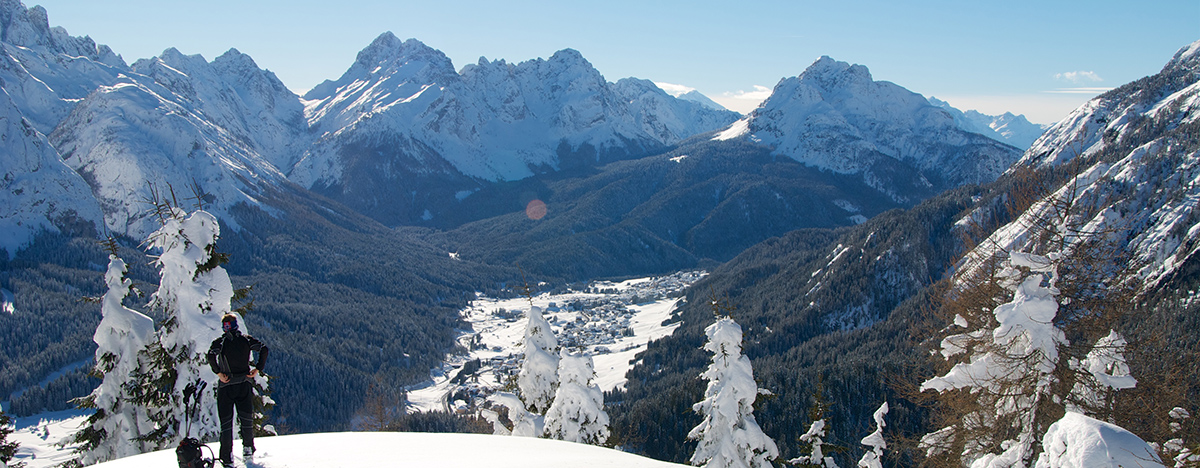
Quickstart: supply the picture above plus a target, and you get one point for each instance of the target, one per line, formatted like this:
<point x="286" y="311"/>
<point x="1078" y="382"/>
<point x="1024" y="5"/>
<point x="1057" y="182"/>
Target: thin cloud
<point x="1078" y="90"/>
<point x="743" y="101"/>
<point x="674" y="89"/>
<point x="760" y="93"/>
<point x="1079" y="77"/>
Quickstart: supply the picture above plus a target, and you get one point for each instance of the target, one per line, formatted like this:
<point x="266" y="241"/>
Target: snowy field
<point x="611" y="321"/>
<point x="39" y="435"/>
<point x="401" y="449"/>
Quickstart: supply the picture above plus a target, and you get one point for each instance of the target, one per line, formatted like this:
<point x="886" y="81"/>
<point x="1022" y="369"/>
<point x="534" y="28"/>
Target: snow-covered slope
<point x="44" y="69"/>
<point x="1015" y="130"/>
<point x="1140" y="168"/>
<point x="380" y="449"/>
<point x="834" y="116"/>
<point x="179" y="120"/>
<point x="401" y="117"/>
<point x="37" y="191"/>
<point x="38" y="437"/>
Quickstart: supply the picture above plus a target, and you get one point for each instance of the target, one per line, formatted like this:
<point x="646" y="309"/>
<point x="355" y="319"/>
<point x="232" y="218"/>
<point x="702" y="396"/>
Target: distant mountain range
<point x="835" y="117"/>
<point x="1015" y="130"/>
<point x="404" y="139"/>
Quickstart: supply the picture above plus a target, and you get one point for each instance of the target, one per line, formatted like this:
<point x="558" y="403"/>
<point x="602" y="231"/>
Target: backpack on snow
<point x="189" y="453"/>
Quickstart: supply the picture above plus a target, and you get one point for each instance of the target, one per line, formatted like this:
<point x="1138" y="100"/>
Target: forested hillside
<point x="341" y="301"/>
<point x="838" y="307"/>
<point x="699" y="204"/>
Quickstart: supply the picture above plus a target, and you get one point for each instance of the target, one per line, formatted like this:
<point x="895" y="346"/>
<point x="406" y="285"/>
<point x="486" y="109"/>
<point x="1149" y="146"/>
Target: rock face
<point x="834" y="116"/>
<point x="402" y="137"/>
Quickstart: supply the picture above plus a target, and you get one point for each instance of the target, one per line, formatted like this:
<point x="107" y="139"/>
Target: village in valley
<point x="611" y="321"/>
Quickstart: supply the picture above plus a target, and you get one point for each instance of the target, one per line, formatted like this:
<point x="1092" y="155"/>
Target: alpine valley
<point x="368" y="213"/>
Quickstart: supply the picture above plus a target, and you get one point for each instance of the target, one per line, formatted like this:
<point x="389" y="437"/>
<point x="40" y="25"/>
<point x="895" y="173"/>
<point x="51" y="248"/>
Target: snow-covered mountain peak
<point x="1187" y="57"/>
<point x="30" y="28"/>
<point x="834" y="116"/>
<point x="570" y="58"/>
<point x="387" y="49"/>
<point x="234" y="61"/>
<point x="408" y="117"/>
<point x="831" y="75"/>
<point x="700" y="98"/>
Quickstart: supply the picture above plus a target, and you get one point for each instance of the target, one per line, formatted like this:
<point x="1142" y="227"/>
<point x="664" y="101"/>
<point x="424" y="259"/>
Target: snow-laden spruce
<point x="577" y="414"/>
<point x="115" y="427"/>
<point x="816" y="438"/>
<point x="539" y="370"/>
<point x="874" y="457"/>
<point x="729" y="436"/>
<point x="194" y="292"/>
<point x="524" y="423"/>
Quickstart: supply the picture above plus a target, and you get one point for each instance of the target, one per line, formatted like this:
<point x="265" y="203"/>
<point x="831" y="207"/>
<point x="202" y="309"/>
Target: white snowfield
<point x="409" y="449"/>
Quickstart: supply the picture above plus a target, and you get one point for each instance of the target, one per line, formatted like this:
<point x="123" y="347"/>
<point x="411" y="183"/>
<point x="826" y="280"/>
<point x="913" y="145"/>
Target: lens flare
<point x="536" y="209"/>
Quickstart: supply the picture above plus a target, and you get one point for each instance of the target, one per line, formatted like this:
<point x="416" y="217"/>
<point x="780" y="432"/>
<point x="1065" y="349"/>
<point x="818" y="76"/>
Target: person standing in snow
<point x="229" y="358"/>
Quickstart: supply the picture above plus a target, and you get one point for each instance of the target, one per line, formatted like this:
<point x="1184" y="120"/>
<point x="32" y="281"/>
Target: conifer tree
<point x="7" y="449"/>
<point x="874" y="457"/>
<point x="577" y="414"/>
<point x="194" y="292"/>
<point x="813" y="441"/>
<point x="729" y="436"/>
<point x="539" y="371"/>
<point x="115" y="428"/>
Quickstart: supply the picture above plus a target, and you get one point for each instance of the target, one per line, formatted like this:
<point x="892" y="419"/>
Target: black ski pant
<point x="239" y="395"/>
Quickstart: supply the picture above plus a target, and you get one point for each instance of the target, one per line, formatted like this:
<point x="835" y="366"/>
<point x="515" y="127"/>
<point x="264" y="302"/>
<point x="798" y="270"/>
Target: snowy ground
<point x="380" y="449"/>
<point x="611" y="321"/>
<point x="39" y="435"/>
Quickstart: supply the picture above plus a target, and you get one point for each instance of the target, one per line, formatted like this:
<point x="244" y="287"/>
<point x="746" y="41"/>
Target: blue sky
<point x="1038" y="58"/>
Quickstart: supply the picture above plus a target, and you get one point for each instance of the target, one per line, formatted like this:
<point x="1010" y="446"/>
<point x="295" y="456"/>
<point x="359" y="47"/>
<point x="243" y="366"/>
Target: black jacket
<point x="230" y="355"/>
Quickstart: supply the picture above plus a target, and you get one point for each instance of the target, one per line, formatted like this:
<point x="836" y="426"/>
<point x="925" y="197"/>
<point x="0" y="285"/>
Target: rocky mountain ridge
<point x="836" y="117"/>
<point x="1008" y="128"/>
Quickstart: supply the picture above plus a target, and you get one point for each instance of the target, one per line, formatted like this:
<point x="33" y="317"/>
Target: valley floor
<point x="611" y="321"/>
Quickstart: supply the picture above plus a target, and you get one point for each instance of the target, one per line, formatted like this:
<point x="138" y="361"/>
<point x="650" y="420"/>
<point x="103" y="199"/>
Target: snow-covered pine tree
<point x="115" y="428"/>
<point x="813" y="441"/>
<point x="539" y="370"/>
<point x="194" y="292"/>
<point x="874" y="457"/>
<point x="729" y="436"/>
<point x="577" y="414"/>
<point x="524" y="423"/>
<point x="7" y="449"/>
